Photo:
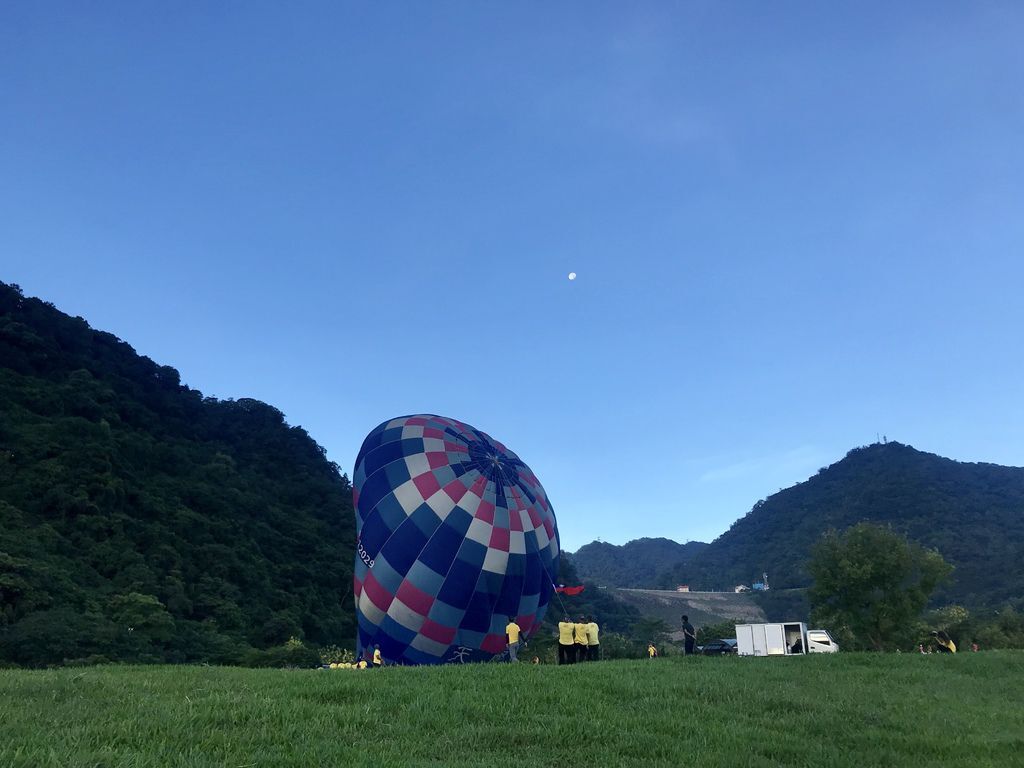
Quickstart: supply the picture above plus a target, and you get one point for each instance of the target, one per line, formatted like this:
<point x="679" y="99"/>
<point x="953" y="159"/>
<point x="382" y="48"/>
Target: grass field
<point x="845" y="710"/>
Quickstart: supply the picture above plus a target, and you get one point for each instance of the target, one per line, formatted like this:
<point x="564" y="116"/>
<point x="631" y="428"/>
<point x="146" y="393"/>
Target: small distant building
<point x="683" y="588"/>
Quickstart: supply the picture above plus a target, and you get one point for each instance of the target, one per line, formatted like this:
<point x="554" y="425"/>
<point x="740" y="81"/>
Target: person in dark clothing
<point x="689" y="635"/>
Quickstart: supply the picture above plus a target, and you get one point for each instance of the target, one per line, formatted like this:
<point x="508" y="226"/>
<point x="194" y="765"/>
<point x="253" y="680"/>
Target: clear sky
<point x="795" y="226"/>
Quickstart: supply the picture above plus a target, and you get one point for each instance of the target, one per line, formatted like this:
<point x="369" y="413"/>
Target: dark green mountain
<point x="636" y="563"/>
<point x="973" y="514"/>
<point x="140" y="520"/>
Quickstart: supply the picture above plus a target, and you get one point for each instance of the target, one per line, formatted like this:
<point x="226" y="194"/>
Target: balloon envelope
<point x="454" y="535"/>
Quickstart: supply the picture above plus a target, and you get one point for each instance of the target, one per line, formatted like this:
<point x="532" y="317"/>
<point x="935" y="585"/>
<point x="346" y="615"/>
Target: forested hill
<point x="636" y="563"/>
<point x="140" y="520"/>
<point x="973" y="514"/>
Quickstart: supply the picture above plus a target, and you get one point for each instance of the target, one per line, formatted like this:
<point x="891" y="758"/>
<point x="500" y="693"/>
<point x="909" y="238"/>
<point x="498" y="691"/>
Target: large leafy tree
<point x="871" y="584"/>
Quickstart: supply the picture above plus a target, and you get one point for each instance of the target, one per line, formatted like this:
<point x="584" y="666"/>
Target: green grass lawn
<point x="845" y="710"/>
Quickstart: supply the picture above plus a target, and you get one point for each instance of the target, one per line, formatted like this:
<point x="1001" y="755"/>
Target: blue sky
<point x="795" y="226"/>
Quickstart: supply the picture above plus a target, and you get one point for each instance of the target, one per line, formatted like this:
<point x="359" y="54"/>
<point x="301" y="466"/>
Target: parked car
<point x="723" y="647"/>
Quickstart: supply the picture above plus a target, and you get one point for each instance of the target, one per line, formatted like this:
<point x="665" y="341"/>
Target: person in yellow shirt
<point x="378" y="662"/>
<point x="512" y="631"/>
<point x="566" y="648"/>
<point x="593" y="641"/>
<point x="579" y="636"/>
<point x="652" y="651"/>
<point x="944" y="644"/>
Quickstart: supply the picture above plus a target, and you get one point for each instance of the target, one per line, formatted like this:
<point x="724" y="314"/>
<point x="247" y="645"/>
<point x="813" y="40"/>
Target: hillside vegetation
<point x="636" y="563"/>
<point x="140" y="520"/>
<point x="852" y="710"/>
<point x="973" y="514"/>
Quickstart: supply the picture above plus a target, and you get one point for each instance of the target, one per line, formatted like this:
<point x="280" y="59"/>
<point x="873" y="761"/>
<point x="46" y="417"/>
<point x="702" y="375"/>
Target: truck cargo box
<point x="777" y="639"/>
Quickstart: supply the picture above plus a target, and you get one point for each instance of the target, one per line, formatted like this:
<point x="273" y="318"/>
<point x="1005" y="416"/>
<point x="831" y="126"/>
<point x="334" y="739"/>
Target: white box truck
<point x="790" y="638"/>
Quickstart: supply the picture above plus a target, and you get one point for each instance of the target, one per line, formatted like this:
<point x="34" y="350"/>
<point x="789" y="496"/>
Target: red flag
<point x="571" y="591"/>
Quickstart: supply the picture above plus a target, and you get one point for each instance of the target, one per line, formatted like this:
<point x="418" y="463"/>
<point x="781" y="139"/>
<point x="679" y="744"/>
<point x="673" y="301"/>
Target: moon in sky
<point x="572" y="275"/>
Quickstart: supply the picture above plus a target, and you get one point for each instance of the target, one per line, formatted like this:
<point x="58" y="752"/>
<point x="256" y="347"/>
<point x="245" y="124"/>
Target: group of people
<point x="371" y="660"/>
<point x="578" y="640"/>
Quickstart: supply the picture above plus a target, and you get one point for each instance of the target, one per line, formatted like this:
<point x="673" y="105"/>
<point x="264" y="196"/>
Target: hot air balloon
<point x="454" y="534"/>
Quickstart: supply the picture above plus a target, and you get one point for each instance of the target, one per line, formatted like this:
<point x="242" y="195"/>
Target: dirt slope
<point x="701" y="607"/>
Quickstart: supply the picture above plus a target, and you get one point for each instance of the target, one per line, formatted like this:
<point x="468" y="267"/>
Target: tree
<point x="718" y="630"/>
<point x="652" y="630"/>
<point x="871" y="584"/>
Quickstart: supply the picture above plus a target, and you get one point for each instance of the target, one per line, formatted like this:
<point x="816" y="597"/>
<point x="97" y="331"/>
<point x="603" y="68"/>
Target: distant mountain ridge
<point x="972" y="513"/>
<point x="638" y="563"/>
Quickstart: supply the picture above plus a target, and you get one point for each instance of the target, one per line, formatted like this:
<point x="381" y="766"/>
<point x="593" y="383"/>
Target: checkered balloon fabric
<point x="454" y="535"/>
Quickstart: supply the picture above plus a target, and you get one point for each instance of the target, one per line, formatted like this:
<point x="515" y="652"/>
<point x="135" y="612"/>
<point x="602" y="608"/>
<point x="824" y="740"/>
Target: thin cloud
<point x="796" y="464"/>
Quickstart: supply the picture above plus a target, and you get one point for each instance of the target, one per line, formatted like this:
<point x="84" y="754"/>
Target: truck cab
<point x="820" y="641"/>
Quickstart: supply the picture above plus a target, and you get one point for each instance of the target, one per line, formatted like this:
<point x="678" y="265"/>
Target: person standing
<point x="689" y="635"/>
<point x="512" y="632"/>
<point x="652" y="650"/>
<point x="580" y="638"/>
<point x="593" y="641"/>
<point x="566" y="649"/>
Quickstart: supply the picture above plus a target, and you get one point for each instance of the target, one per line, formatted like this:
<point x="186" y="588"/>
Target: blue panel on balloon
<point x="459" y="520"/>
<point x="478" y="612"/>
<point x="472" y="552"/>
<point x="375" y="487"/>
<point x="425" y="519"/>
<point x="446" y="615"/>
<point x="386" y="575"/>
<point x="404" y="546"/>
<point x="397" y="472"/>
<point x="391" y="513"/>
<point x="442" y="548"/>
<point x="383" y="455"/>
<point x="373" y="536"/>
<point x="459" y="584"/>
<point x="425" y="578"/>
